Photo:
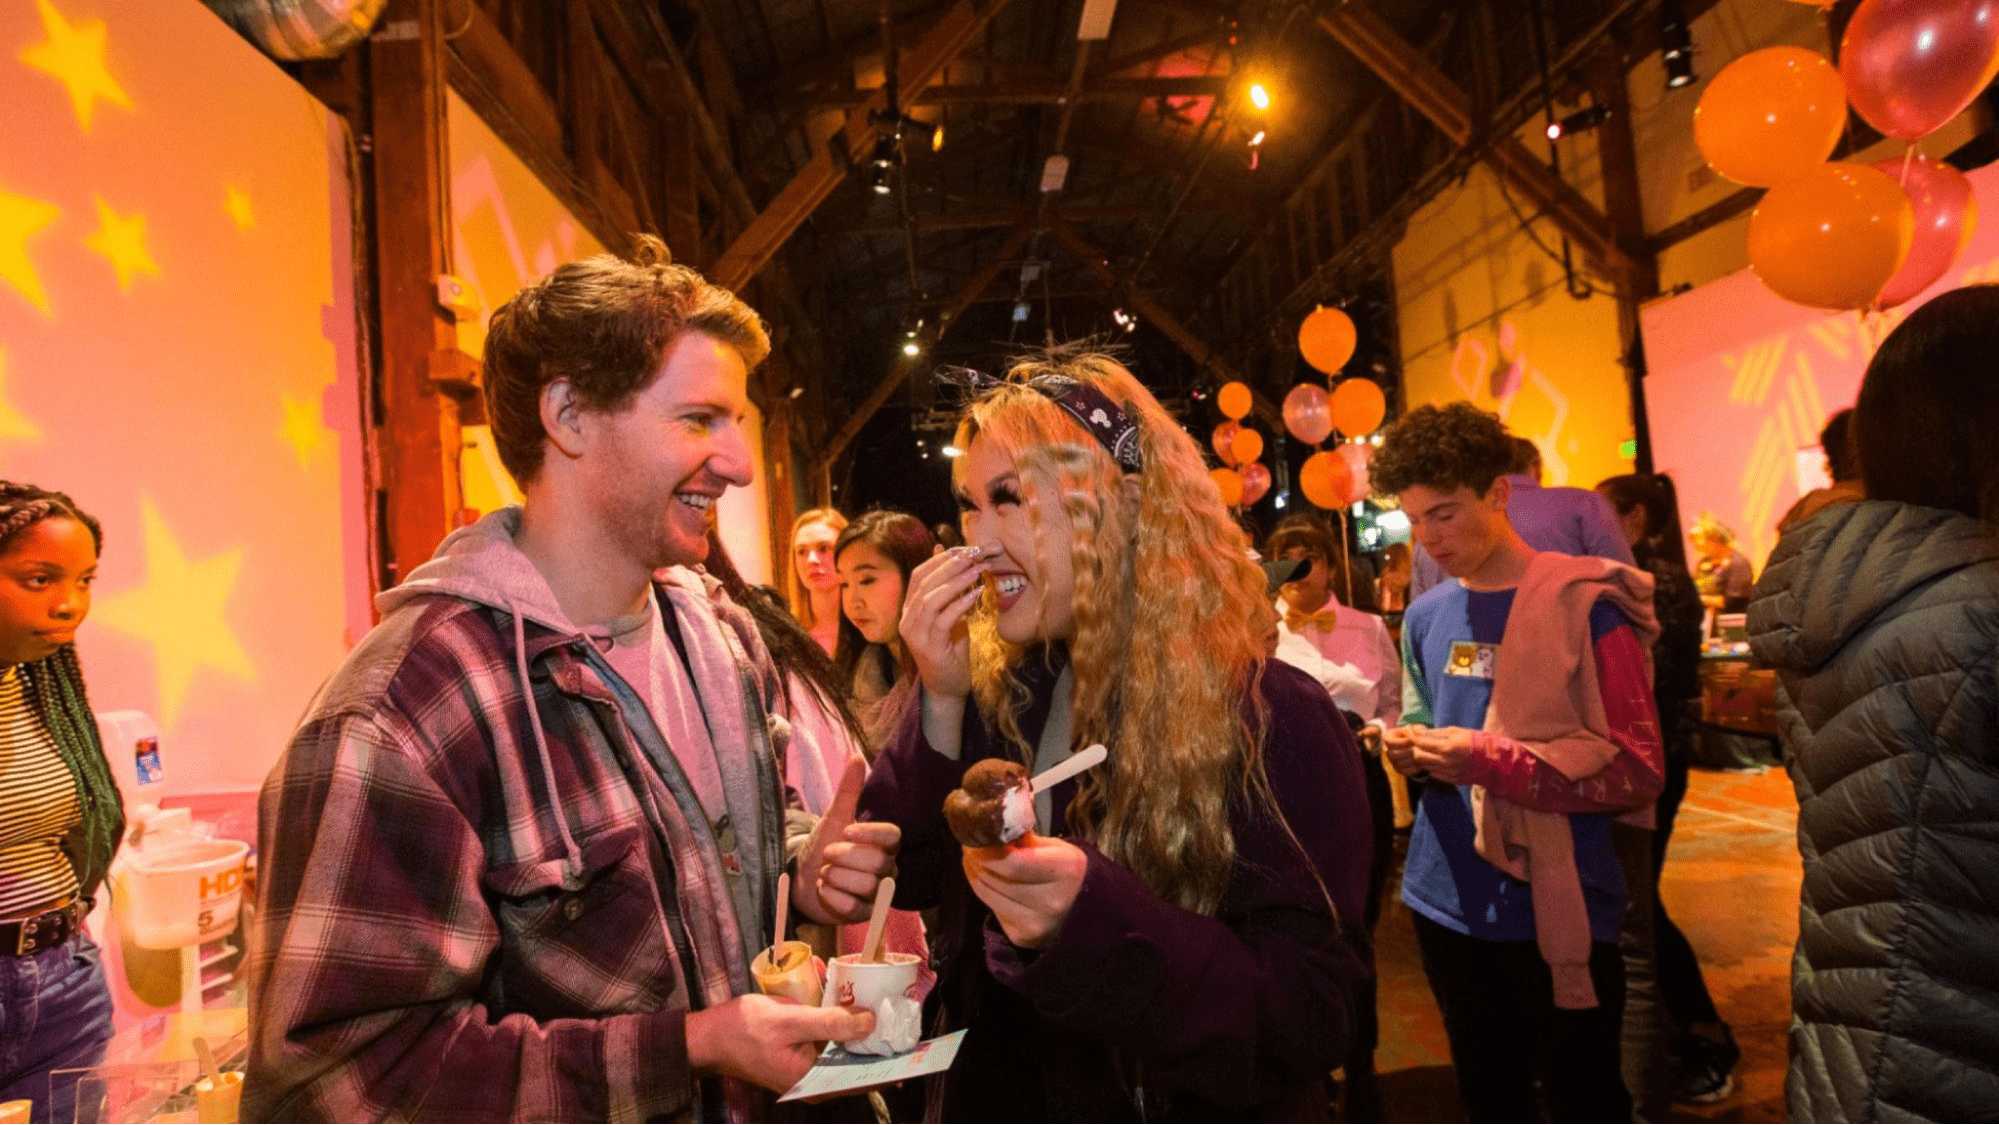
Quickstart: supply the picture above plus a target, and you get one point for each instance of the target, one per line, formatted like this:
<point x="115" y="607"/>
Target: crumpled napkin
<point x="898" y="1027"/>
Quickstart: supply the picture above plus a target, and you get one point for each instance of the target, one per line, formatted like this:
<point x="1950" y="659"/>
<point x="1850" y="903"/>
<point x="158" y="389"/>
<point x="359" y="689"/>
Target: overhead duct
<point x="301" y="29"/>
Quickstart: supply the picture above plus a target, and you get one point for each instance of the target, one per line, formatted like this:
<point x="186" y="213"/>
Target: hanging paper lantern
<point x="1255" y="482"/>
<point x="1770" y="115"/>
<point x="1945" y="210"/>
<point x="1224" y="441"/>
<point x="1831" y="238"/>
<point x="1327" y="339"/>
<point x="1247" y="445"/>
<point x="1230" y="484"/>
<point x="1308" y="413"/>
<point x="1325" y="480"/>
<point x="1358" y="407"/>
<point x="1356" y="455"/>
<point x="1235" y="400"/>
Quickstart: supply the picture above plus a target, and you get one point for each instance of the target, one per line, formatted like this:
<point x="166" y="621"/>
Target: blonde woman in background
<point x="815" y="584"/>
<point x="1178" y="938"/>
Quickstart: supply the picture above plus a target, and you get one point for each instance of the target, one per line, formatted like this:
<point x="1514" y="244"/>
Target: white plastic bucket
<point x="183" y="894"/>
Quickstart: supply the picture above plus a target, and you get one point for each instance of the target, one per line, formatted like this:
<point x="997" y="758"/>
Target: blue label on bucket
<point x="147" y="758"/>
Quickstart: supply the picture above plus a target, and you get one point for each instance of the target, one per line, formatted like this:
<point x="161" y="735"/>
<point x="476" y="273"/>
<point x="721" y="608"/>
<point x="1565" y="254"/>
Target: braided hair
<point x="54" y="689"/>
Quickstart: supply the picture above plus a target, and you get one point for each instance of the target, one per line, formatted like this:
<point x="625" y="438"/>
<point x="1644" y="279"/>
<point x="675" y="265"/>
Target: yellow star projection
<point x="75" y="55"/>
<point x="237" y="206"/>
<point x="123" y="241"/>
<point x="14" y="425"/>
<point x="181" y="611"/>
<point x="304" y="428"/>
<point x="22" y="218"/>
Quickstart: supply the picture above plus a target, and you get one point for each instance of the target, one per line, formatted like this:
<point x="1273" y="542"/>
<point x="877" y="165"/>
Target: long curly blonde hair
<point x="1167" y="645"/>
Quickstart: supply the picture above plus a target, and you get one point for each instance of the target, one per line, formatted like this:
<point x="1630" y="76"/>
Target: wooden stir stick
<point x="208" y="1063"/>
<point x="783" y="909"/>
<point x="878" y="921"/>
<point x="1068" y="767"/>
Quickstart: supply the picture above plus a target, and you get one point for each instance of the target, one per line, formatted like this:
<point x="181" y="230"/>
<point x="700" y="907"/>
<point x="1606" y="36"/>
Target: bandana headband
<point x="1105" y="420"/>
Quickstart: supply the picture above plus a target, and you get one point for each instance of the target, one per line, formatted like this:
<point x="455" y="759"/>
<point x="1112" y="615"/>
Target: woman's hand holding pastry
<point x="1029" y="886"/>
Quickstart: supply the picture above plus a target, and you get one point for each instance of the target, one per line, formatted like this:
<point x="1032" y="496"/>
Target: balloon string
<point x="1908" y="159"/>
<point x="1346" y="556"/>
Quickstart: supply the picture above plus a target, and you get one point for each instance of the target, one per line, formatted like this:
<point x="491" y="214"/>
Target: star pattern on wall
<point x="14" y="425"/>
<point x="181" y="610"/>
<point x="75" y="56"/>
<point x="22" y="218"/>
<point x="122" y="240"/>
<point x="304" y="428"/>
<point x="236" y="204"/>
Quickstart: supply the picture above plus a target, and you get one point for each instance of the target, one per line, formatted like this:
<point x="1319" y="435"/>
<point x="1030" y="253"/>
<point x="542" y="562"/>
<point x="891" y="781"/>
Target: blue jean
<point x="55" y="1013"/>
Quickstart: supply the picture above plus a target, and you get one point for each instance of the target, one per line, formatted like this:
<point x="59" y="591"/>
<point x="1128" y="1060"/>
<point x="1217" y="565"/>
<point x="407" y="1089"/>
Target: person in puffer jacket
<point x="1882" y="621"/>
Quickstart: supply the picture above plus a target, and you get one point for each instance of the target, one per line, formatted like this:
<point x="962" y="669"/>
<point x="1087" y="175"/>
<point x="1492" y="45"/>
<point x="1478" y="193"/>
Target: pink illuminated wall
<point x="177" y="351"/>
<point x="1741" y="382"/>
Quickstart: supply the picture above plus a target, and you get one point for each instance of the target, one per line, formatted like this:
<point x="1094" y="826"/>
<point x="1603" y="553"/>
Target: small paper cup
<point x="796" y="979"/>
<point x="217" y="1103"/>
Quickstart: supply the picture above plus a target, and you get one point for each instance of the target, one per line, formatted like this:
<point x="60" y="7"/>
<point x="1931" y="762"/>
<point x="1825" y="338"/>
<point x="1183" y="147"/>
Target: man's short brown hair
<point x="604" y="324"/>
<point x="1443" y="447"/>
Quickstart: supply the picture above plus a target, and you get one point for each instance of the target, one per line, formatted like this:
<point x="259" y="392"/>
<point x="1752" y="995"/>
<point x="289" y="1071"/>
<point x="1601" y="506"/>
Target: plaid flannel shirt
<point x="427" y="946"/>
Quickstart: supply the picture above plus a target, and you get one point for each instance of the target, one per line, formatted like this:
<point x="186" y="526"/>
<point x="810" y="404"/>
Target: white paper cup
<point x="888" y="989"/>
<point x="797" y="980"/>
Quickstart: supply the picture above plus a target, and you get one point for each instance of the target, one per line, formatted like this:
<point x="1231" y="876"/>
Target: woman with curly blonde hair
<point x="1175" y="938"/>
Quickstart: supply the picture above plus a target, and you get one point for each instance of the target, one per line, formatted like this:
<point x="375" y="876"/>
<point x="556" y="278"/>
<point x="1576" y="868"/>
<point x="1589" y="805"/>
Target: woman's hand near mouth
<point x="941" y="591"/>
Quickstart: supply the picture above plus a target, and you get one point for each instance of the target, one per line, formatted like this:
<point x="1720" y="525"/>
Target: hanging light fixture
<point x="1676" y="44"/>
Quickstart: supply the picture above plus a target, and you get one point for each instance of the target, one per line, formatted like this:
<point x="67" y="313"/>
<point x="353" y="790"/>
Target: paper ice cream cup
<point x="216" y="1102"/>
<point x="888" y="989"/>
<point x="794" y="977"/>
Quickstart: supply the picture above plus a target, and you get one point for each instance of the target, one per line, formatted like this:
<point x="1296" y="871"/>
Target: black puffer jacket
<point x="1882" y="620"/>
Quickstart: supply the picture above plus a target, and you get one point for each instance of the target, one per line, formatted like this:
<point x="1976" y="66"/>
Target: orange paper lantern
<point x="1831" y="238"/>
<point x="1235" y="400"/>
<point x="1325" y="479"/>
<point x="1358" y="407"/>
<point x="1327" y="339"/>
<point x="1230" y="483"/>
<point x="1247" y="445"/>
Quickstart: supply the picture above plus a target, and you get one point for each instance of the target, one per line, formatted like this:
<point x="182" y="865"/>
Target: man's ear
<point x="562" y="418"/>
<point x="1499" y="494"/>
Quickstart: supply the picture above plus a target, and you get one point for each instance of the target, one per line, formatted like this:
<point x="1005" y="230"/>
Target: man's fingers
<point x="839" y="905"/>
<point x="847" y="797"/>
<point x="860" y="857"/>
<point x="858" y="883"/>
<point x="875" y="834"/>
<point x="817" y="1025"/>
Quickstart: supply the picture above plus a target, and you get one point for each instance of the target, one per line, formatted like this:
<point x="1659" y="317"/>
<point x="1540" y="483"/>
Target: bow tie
<point x="1322" y="620"/>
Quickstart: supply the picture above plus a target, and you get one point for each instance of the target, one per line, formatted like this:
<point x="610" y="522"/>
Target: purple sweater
<point x="1237" y="1016"/>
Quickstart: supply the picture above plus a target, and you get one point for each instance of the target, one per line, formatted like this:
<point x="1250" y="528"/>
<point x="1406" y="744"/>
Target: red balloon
<point x="1255" y="482"/>
<point x="1946" y="211"/>
<point x="1224" y="441"/>
<point x="1911" y="65"/>
<point x="1308" y="413"/>
<point x="1357" y="455"/>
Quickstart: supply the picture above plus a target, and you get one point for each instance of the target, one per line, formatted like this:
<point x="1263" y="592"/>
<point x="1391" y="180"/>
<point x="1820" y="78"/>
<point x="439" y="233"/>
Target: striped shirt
<point x="38" y="805"/>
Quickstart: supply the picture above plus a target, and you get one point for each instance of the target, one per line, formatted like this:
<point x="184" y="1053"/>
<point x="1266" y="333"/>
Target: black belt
<point x="29" y="936"/>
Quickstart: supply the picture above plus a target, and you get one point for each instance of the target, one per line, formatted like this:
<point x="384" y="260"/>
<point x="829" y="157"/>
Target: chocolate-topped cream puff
<point x="995" y="807"/>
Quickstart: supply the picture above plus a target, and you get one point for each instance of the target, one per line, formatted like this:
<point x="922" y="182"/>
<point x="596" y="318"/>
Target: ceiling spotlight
<point x="1124" y="319"/>
<point x="797" y="391"/>
<point x="1676" y="44"/>
<point x="1021" y="311"/>
<point x="911" y="348"/>
<point x="1258" y="96"/>
<point x="882" y="163"/>
<point x="1586" y="118"/>
<point x="953" y="451"/>
<point x="1256" y="140"/>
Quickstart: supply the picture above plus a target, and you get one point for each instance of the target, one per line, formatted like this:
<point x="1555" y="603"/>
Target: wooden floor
<point x="1731" y="883"/>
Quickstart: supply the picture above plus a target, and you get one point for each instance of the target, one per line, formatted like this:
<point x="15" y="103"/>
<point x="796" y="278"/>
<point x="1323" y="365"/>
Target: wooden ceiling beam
<point x="1412" y="75"/>
<point x="1036" y="92"/>
<point x="795" y="202"/>
<point x="1000" y="258"/>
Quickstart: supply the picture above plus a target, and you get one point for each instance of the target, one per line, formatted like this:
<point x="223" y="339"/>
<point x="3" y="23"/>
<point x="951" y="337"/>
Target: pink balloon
<point x="1946" y="212"/>
<point x="1308" y="413"/>
<point x="1911" y="65"/>
<point x="1255" y="482"/>
<point x="1357" y="455"/>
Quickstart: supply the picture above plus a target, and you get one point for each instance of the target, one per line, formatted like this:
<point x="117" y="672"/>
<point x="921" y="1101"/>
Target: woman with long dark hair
<point x="1177" y="937"/>
<point x="60" y="816"/>
<point x="875" y="556"/>
<point x="1882" y="620"/>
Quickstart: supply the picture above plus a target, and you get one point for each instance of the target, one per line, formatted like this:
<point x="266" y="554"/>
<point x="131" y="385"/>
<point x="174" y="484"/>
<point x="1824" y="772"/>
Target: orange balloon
<point x="1325" y="479"/>
<point x="1326" y="340"/>
<point x="1235" y="400"/>
<point x="1831" y="238"/>
<point x="1247" y="445"/>
<point x="1770" y="115"/>
<point x="1230" y="482"/>
<point x="1358" y="407"/>
<point x="1224" y="441"/>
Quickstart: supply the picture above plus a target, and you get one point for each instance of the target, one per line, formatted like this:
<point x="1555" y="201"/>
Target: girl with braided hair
<point x="60" y="817"/>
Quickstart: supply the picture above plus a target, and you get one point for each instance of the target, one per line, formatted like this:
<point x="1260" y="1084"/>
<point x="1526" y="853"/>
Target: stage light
<point x="1256" y="140"/>
<point x="882" y="163"/>
<point x="797" y="391"/>
<point x="1582" y="120"/>
<point x="1258" y="96"/>
<point x="911" y="348"/>
<point x="1021" y="311"/>
<point x="1676" y="44"/>
<point x="953" y="451"/>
